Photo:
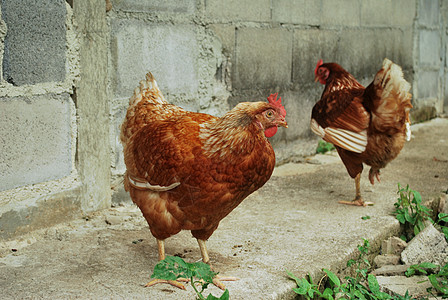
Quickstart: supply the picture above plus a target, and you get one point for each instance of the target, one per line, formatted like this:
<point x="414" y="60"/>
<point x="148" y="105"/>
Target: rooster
<point x="188" y="170"/>
<point x="366" y="125"/>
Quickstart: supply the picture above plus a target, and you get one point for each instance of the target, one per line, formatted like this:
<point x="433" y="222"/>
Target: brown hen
<point x="366" y="125"/>
<point x="188" y="170"/>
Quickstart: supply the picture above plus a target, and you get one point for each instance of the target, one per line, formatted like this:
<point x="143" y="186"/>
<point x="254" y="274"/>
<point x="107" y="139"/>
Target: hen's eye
<point x="269" y="114"/>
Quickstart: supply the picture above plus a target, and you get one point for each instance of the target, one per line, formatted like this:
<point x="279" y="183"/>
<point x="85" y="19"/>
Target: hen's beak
<point x="283" y="123"/>
<point x="316" y="78"/>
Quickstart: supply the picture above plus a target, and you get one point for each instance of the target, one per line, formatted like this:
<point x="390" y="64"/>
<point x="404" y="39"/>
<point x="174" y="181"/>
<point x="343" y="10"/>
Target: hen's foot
<point x="176" y="283"/>
<point x="358" y="201"/>
<point x="217" y="281"/>
<point x="374" y="173"/>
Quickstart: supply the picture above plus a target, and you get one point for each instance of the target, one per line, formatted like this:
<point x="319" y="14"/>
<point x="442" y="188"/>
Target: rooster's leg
<point x="176" y="283"/>
<point x="206" y="259"/>
<point x="358" y="201"/>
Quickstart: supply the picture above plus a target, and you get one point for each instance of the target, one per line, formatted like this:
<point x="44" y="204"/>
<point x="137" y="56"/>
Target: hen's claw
<point x="358" y="201"/>
<point x="217" y="281"/>
<point x="175" y="283"/>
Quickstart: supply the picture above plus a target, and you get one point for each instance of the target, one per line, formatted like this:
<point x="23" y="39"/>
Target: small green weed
<point x="410" y="211"/>
<point x="420" y="269"/>
<point x="442" y="219"/>
<point x="362" y="286"/>
<point x="439" y="280"/>
<point x="324" y="147"/>
<point x="173" y="267"/>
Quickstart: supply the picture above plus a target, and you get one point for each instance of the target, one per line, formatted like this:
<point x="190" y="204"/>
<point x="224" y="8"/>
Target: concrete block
<point x="394" y="245"/>
<point x="35" y="41"/>
<point x="309" y="46"/>
<point x="172" y="6"/>
<point x="423" y="113"/>
<point x="340" y="12"/>
<point x="368" y="48"/>
<point x="386" y="259"/>
<point x="298" y="105"/>
<point x="226" y="35"/>
<point x="263" y="58"/>
<point x="169" y="52"/>
<point x="35" y="135"/>
<point x="41" y="210"/>
<point x="387" y="13"/>
<point x="234" y="10"/>
<point x="429" y="45"/>
<point x="428" y="14"/>
<point x="296" y="12"/>
<point x="427" y="246"/>
<point x="415" y="285"/>
<point x="427" y="84"/>
<point x="391" y="270"/>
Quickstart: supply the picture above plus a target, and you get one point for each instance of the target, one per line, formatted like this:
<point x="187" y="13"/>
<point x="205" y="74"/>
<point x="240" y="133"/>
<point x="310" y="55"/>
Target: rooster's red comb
<point x="277" y="103"/>
<point x="319" y="63"/>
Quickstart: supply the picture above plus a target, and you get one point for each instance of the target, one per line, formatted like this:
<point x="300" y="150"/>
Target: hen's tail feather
<point x="149" y="90"/>
<point x="391" y="110"/>
<point x="139" y="114"/>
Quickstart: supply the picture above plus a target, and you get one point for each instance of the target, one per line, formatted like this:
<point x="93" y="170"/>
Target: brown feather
<point x="382" y="109"/>
<point x="212" y="164"/>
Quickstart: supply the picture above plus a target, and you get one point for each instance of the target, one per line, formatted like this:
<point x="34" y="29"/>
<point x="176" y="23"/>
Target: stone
<point x="386" y="259"/>
<point x="428" y="246"/>
<point x="393" y="245"/>
<point x="415" y="285"/>
<point x="114" y="220"/>
<point x="390" y="270"/>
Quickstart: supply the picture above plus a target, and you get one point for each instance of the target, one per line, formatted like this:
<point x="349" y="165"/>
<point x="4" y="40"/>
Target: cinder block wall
<point x="54" y="117"/>
<point x="209" y="55"/>
<point x="69" y="68"/>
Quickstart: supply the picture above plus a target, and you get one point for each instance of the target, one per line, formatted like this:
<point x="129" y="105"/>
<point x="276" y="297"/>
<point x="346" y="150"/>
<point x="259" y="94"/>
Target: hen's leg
<point x="161" y="248"/>
<point x="358" y="201"/>
<point x="206" y="259"/>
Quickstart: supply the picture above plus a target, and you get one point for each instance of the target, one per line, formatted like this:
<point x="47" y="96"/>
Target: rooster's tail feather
<point x="391" y="111"/>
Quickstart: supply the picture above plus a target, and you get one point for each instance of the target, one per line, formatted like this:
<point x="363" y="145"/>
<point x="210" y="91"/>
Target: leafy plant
<point x="420" y="269"/>
<point x="439" y="280"/>
<point x="362" y="286"/>
<point x="173" y="267"/>
<point x="410" y="211"/>
<point x="306" y="287"/>
<point x="442" y="218"/>
<point x="324" y="147"/>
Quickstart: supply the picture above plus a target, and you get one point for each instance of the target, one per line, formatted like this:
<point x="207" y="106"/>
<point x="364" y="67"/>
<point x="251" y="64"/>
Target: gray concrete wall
<point x="54" y="116"/>
<point x="69" y="68"/>
<point x="209" y="55"/>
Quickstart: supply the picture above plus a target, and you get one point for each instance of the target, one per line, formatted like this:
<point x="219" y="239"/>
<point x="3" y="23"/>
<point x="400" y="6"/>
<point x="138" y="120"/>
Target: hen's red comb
<point x="277" y="103"/>
<point x="319" y="63"/>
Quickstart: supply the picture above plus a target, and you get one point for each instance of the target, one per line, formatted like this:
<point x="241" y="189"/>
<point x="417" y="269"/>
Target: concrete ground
<point x="293" y="223"/>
